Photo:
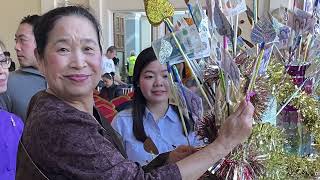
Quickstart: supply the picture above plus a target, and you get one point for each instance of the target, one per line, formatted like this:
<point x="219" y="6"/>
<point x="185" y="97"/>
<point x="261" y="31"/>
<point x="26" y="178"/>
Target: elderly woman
<point x="64" y="135"/>
<point x="10" y="126"/>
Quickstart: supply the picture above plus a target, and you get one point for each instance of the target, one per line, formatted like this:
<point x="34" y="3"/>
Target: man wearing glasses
<point x="27" y="80"/>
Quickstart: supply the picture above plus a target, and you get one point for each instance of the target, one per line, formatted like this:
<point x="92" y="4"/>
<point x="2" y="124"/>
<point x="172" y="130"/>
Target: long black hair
<point x="139" y="101"/>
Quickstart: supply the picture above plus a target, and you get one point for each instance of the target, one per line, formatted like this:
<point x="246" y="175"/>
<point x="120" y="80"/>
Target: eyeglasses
<point x="5" y="62"/>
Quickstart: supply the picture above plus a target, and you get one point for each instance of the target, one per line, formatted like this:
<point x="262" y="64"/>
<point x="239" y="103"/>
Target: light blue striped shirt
<point x="166" y="134"/>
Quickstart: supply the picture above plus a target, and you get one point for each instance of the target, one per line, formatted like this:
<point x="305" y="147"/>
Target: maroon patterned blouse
<point x="66" y="143"/>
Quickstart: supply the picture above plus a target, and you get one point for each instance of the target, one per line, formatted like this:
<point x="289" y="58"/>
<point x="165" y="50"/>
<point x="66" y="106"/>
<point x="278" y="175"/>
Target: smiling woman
<point x="152" y="118"/>
<point x="71" y="61"/>
<point x="66" y="138"/>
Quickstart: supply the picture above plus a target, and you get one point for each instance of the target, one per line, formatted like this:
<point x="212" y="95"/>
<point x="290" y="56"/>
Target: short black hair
<point x="108" y="76"/>
<point x="48" y="21"/>
<point x="30" y="19"/>
<point x="6" y="53"/>
<point x="111" y="49"/>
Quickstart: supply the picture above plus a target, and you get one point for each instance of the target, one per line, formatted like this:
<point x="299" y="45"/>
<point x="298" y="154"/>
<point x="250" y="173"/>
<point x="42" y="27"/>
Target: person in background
<point x="13" y="64"/>
<point x="130" y="65"/>
<point x="110" y="90"/>
<point x="64" y="134"/>
<point x="192" y="85"/>
<point x="108" y="65"/>
<point x="27" y="80"/>
<point x="151" y="117"/>
<point x="11" y="126"/>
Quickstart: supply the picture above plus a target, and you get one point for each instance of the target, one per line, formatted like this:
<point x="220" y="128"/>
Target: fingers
<point x="241" y="107"/>
<point x="246" y="116"/>
<point x="247" y="110"/>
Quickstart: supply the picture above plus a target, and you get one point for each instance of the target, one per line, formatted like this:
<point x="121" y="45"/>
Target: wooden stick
<point x="291" y="97"/>
<point x="255" y="71"/>
<point x="299" y="50"/>
<point x="235" y="36"/>
<point x="255" y="11"/>
<point x="189" y="65"/>
<point x="307" y="47"/>
<point x="176" y="97"/>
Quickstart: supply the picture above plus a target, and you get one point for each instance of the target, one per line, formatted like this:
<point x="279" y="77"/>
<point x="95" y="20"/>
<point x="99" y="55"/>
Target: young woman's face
<point x="4" y="71"/>
<point x="153" y="82"/>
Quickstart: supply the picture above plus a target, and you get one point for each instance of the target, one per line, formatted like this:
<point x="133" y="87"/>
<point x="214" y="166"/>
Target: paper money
<point x="197" y="14"/>
<point x="230" y="68"/>
<point x="265" y="60"/>
<point x="210" y="8"/>
<point x="301" y="21"/>
<point x="233" y="7"/>
<point x="314" y="49"/>
<point x="263" y="31"/>
<point x="190" y="42"/>
<point x="192" y="101"/>
<point x="223" y="26"/>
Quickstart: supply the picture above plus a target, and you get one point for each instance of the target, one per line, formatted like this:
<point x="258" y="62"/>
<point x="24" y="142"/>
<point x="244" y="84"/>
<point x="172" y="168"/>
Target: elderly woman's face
<point x="4" y="72"/>
<point x="72" y="58"/>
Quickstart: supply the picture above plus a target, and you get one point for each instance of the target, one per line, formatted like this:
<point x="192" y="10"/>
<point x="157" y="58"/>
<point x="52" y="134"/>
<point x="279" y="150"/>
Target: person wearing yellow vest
<point x="130" y="65"/>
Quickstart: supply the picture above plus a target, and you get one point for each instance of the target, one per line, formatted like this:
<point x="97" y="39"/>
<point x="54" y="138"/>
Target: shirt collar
<point x="31" y="70"/>
<point x="170" y="114"/>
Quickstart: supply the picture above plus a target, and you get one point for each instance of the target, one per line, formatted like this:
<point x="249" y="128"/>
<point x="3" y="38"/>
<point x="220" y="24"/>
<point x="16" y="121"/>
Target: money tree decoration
<point x="255" y="68"/>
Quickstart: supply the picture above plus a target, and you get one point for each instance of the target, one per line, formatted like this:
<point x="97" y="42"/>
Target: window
<point x="118" y="32"/>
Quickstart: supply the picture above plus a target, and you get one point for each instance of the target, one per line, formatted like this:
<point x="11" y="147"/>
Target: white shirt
<point x="107" y="65"/>
<point x="166" y="133"/>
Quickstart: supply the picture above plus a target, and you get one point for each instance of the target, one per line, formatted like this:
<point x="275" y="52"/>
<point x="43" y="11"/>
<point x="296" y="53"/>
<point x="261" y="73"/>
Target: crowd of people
<point x="48" y="102"/>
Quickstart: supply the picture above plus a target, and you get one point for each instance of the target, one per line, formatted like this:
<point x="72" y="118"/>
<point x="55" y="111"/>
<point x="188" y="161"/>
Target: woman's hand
<point x="180" y="152"/>
<point x="235" y="130"/>
<point x="237" y="127"/>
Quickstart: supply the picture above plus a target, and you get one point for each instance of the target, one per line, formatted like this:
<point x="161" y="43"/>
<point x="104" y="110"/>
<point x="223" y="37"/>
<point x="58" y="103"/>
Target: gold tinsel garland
<point x="307" y="104"/>
<point x="295" y="166"/>
<point x="263" y="156"/>
<point x="261" y="98"/>
<point x="268" y="141"/>
<point x="253" y="159"/>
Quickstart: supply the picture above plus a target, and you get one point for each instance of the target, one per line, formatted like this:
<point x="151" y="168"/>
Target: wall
<point x="11" y="12"/>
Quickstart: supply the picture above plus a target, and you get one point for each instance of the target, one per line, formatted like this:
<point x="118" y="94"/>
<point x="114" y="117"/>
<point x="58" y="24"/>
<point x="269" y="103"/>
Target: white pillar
<point x="105" y="18"/>
<point x="158" y="32"/>
<point x="107" y="24"/>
